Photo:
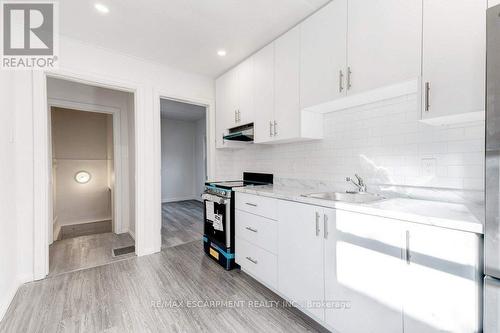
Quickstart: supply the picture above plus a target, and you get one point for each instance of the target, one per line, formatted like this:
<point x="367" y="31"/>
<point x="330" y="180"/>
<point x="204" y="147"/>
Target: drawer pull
<point x="317" y="224"/>
<point x="408" y="253"/>
<point x="250" y="204"/>
<point x="325" y="226"/>
<point x="251" y="260"/>
<point x="251" y="229"/>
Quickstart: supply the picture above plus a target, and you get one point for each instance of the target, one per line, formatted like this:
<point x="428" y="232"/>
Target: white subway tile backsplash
<point x="384" y="142"/>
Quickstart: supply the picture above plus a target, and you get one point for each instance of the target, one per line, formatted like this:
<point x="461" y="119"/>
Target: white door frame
<point x="118" y="198"/>
<point x="210" y="141"/>
<point x="42" y="164"/>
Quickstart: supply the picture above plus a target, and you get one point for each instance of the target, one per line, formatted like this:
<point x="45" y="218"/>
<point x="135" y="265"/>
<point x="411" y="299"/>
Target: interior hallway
<point x="182" y="222"/>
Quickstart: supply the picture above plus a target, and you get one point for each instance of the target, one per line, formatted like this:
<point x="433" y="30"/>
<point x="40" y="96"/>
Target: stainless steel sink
<point x="361" y="197"/>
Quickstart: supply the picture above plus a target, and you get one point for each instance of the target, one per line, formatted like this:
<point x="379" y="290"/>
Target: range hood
<point x="241" y="133"/>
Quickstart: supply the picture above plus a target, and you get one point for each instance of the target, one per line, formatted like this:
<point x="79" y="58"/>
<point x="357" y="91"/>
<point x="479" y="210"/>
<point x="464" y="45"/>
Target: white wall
<point x="9" y="279"/>
<point x="178" y="160"/>
<point x="80" y="142"/>
<point x="383" y="142"/>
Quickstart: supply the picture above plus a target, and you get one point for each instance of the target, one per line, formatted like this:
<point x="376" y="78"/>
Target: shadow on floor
<point x="182" y="222"/>
<point x="86" y="251"/>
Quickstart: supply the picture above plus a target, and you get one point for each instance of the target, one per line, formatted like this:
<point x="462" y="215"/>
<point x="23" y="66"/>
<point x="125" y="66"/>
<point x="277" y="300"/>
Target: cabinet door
<point x="245" y="88"/>
<point x="384" y="42"/>
<point x="323" y="54"/>
<point x="287" y="85"/>
<point x="454" y="57"/>
<point x="443" y="280"/>
<point x="300" y="255"/>
<point x="225" y="103"/>
<point x="363" y="273"/>
<point x="264" y="94"/>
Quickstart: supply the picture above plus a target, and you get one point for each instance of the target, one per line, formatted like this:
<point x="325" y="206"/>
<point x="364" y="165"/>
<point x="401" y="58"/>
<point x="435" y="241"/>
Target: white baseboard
<point x="56" y="231"/>
<point x="175" y="199"/>
<point x="106" y="218"/>
<point x="7" y="299"/>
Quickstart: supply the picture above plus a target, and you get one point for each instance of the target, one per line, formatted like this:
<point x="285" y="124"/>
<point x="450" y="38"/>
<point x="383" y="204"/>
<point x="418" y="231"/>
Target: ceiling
<point x="184" y="34"/>
<point x="181" y="111"/>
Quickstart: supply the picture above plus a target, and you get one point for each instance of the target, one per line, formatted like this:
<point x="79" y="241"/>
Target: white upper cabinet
<point x="226" y="105"/>
<point x="278" y="117"/>
<point x="287" y="85"/>
<point x="234" y="98"/>
<point x="454" y="60"/>
<point x="264" y="94"/>
<point x="245" y="110"/>
<point x="384" y="43"/>
<point x="323" y="55"/>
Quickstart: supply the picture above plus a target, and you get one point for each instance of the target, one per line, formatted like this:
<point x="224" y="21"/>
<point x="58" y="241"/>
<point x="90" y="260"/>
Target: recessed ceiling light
<point x="101" y="8"/>
<point x="222" y="53"/>
<point x="82" y="177"/>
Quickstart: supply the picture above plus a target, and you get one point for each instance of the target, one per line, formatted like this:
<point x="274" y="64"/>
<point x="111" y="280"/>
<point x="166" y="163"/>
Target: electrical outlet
<point x="429" y="167"/>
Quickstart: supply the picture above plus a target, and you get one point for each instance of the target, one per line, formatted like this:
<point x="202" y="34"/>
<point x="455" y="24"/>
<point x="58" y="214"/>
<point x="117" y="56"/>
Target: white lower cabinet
<point x="258" y="262"/>
<point x="355" y="272"/>
<point x="443" y="279"/>
<point x="300" y="256"/>
<point x="363" y="273"/>
<point x="256" y="237"/>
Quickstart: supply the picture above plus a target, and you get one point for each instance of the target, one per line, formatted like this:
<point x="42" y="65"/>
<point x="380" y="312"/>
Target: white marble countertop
<point x="447" y="215"/>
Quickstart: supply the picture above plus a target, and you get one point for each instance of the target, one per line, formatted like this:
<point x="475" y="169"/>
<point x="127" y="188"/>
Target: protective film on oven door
<point x="215" y="222"/>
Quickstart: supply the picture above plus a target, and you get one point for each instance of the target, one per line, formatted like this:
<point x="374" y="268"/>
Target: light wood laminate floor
<point x="182" y="222"/>
<point x="144" y="294"/>
<point x="86" y="251"/>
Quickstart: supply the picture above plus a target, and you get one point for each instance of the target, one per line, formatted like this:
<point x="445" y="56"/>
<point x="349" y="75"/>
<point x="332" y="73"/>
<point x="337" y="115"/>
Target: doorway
<point x="92" y="175"/>
<point x="183" y="171"/>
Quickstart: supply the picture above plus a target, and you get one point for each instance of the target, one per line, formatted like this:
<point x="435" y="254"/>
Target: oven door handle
<point x="214" y="198"/>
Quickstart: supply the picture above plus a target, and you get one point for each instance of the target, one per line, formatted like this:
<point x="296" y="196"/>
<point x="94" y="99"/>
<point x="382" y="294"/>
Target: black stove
<point x="218" y="198"/>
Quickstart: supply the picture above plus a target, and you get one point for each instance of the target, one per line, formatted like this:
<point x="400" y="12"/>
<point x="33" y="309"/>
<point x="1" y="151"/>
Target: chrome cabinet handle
<point x="239" y="115"/>
<point x="317" y="224"/>
<point x="251" y="229"/>
<point x="427" y="96"/>
<point x="251" y="260"/>
<point x="275" y="128"/>
<point x="270" y="128"/>
<point x="250" y="204"/>
<point x="349" y="73"/>
<point x="341" y="81"/>
<point x="408" y="253"/>
<point x="325" y="226"/>
<point x="235" y="116"/>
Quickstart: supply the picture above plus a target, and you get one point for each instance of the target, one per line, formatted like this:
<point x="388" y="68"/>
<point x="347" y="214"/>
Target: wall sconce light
<point x="82" y="177"/>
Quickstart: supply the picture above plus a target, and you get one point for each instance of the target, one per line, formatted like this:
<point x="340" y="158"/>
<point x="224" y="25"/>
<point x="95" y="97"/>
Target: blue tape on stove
<point x="224" y="253"/>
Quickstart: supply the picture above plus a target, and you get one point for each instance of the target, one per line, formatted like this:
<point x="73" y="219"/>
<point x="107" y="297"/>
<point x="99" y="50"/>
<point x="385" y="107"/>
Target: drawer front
<point x="258" y="205"/>
<point x="257" y="230"/>
<point x="258" y="262"/>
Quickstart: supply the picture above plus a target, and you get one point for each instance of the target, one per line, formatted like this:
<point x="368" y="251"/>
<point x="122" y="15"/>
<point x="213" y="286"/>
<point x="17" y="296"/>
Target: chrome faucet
<point x="360" y="184"/>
